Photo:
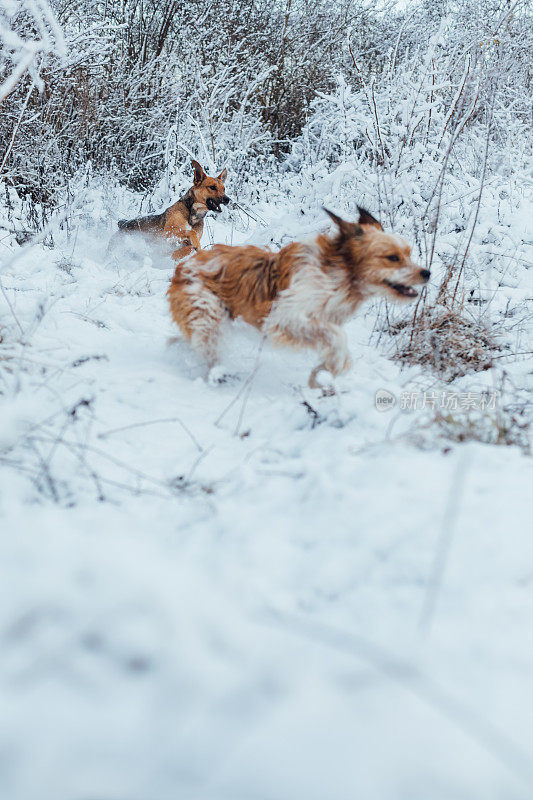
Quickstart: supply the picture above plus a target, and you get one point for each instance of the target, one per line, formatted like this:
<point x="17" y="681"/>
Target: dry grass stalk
<point x="445" y="338"/>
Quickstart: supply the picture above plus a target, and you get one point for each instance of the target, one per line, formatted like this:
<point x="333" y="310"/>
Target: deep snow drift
<point x="248" y="590"/>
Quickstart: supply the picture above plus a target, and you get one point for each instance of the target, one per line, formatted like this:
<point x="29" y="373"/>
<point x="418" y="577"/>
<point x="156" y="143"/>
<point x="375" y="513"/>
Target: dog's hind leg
<point x="205" y="336"/>
<point x="199" y="314"/>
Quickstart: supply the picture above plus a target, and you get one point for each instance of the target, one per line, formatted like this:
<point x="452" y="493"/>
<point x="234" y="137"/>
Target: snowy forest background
<point x="253" y="590"/>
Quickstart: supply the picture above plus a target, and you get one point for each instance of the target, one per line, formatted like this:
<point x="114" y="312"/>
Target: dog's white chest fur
<point x="313" y="297"/>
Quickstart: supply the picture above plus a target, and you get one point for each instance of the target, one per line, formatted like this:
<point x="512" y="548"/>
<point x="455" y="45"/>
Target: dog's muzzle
<point x="213" y="203"/>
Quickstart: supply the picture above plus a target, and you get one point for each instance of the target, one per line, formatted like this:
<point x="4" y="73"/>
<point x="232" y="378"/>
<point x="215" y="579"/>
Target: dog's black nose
<point x="225" y="200"/>
<point x="425" y="273"/>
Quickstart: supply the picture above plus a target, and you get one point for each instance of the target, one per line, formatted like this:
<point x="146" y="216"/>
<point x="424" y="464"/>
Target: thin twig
<point x="442" y="550"/>
<point x="249" y="382"/>
<point x="10" y="306"/>
<point x="112" y="431"/>
<point x="16" y="128"/>
<point x="478" y="204"/>
<point x="255" y="216"/>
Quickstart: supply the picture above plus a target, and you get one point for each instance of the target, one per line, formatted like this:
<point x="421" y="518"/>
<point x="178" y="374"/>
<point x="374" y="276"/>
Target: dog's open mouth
<point x="402" y="289"/>
<point x="213" y="204"/>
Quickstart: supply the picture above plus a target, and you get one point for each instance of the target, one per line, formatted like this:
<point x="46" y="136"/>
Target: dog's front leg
<point x="332" y="343"/>
<point x="335" y="350"/>
<point x="313" y="381"/>
<point x="194" y="240"/>
<point x="335" y="353"/>
<point x="329" y="340"/>
<point x="189" y="241"/>
<point x="183" y="251"/>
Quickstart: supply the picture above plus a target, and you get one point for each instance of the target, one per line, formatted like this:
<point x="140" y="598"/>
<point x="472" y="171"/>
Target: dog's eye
<point x="393" y="257"/>
<point x="214" y="188"/>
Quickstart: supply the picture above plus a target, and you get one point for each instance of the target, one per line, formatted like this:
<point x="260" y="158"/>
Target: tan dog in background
<point x="183" y="222"/>
<point x="299" y="296"/>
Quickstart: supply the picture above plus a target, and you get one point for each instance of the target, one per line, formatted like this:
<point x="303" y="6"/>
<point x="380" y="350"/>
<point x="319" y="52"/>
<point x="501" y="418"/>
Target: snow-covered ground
<point x="247" y="590"/>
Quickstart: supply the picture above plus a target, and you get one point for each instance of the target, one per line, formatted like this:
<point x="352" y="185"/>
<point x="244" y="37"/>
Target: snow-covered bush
<point x="29" y="34"/>
<point x="429" y="142"/>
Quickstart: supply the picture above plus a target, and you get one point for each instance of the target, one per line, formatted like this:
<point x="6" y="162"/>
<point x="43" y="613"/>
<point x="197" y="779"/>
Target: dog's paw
<point x="321" y="378"/>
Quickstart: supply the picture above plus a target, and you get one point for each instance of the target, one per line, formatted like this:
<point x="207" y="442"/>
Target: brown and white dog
<point x="183" y="222"/>
<point x="299" y="296"/>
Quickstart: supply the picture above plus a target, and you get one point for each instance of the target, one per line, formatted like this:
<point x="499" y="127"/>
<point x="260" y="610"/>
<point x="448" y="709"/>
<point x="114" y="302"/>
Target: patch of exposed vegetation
<point x="446" y="338"/>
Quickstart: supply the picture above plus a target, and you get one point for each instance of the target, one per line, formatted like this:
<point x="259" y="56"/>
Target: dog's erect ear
<point x="346" y="228"/>
<point x="366" y="218"/>
<point x="223" y="175"/>
<point x="199" y="173"/>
